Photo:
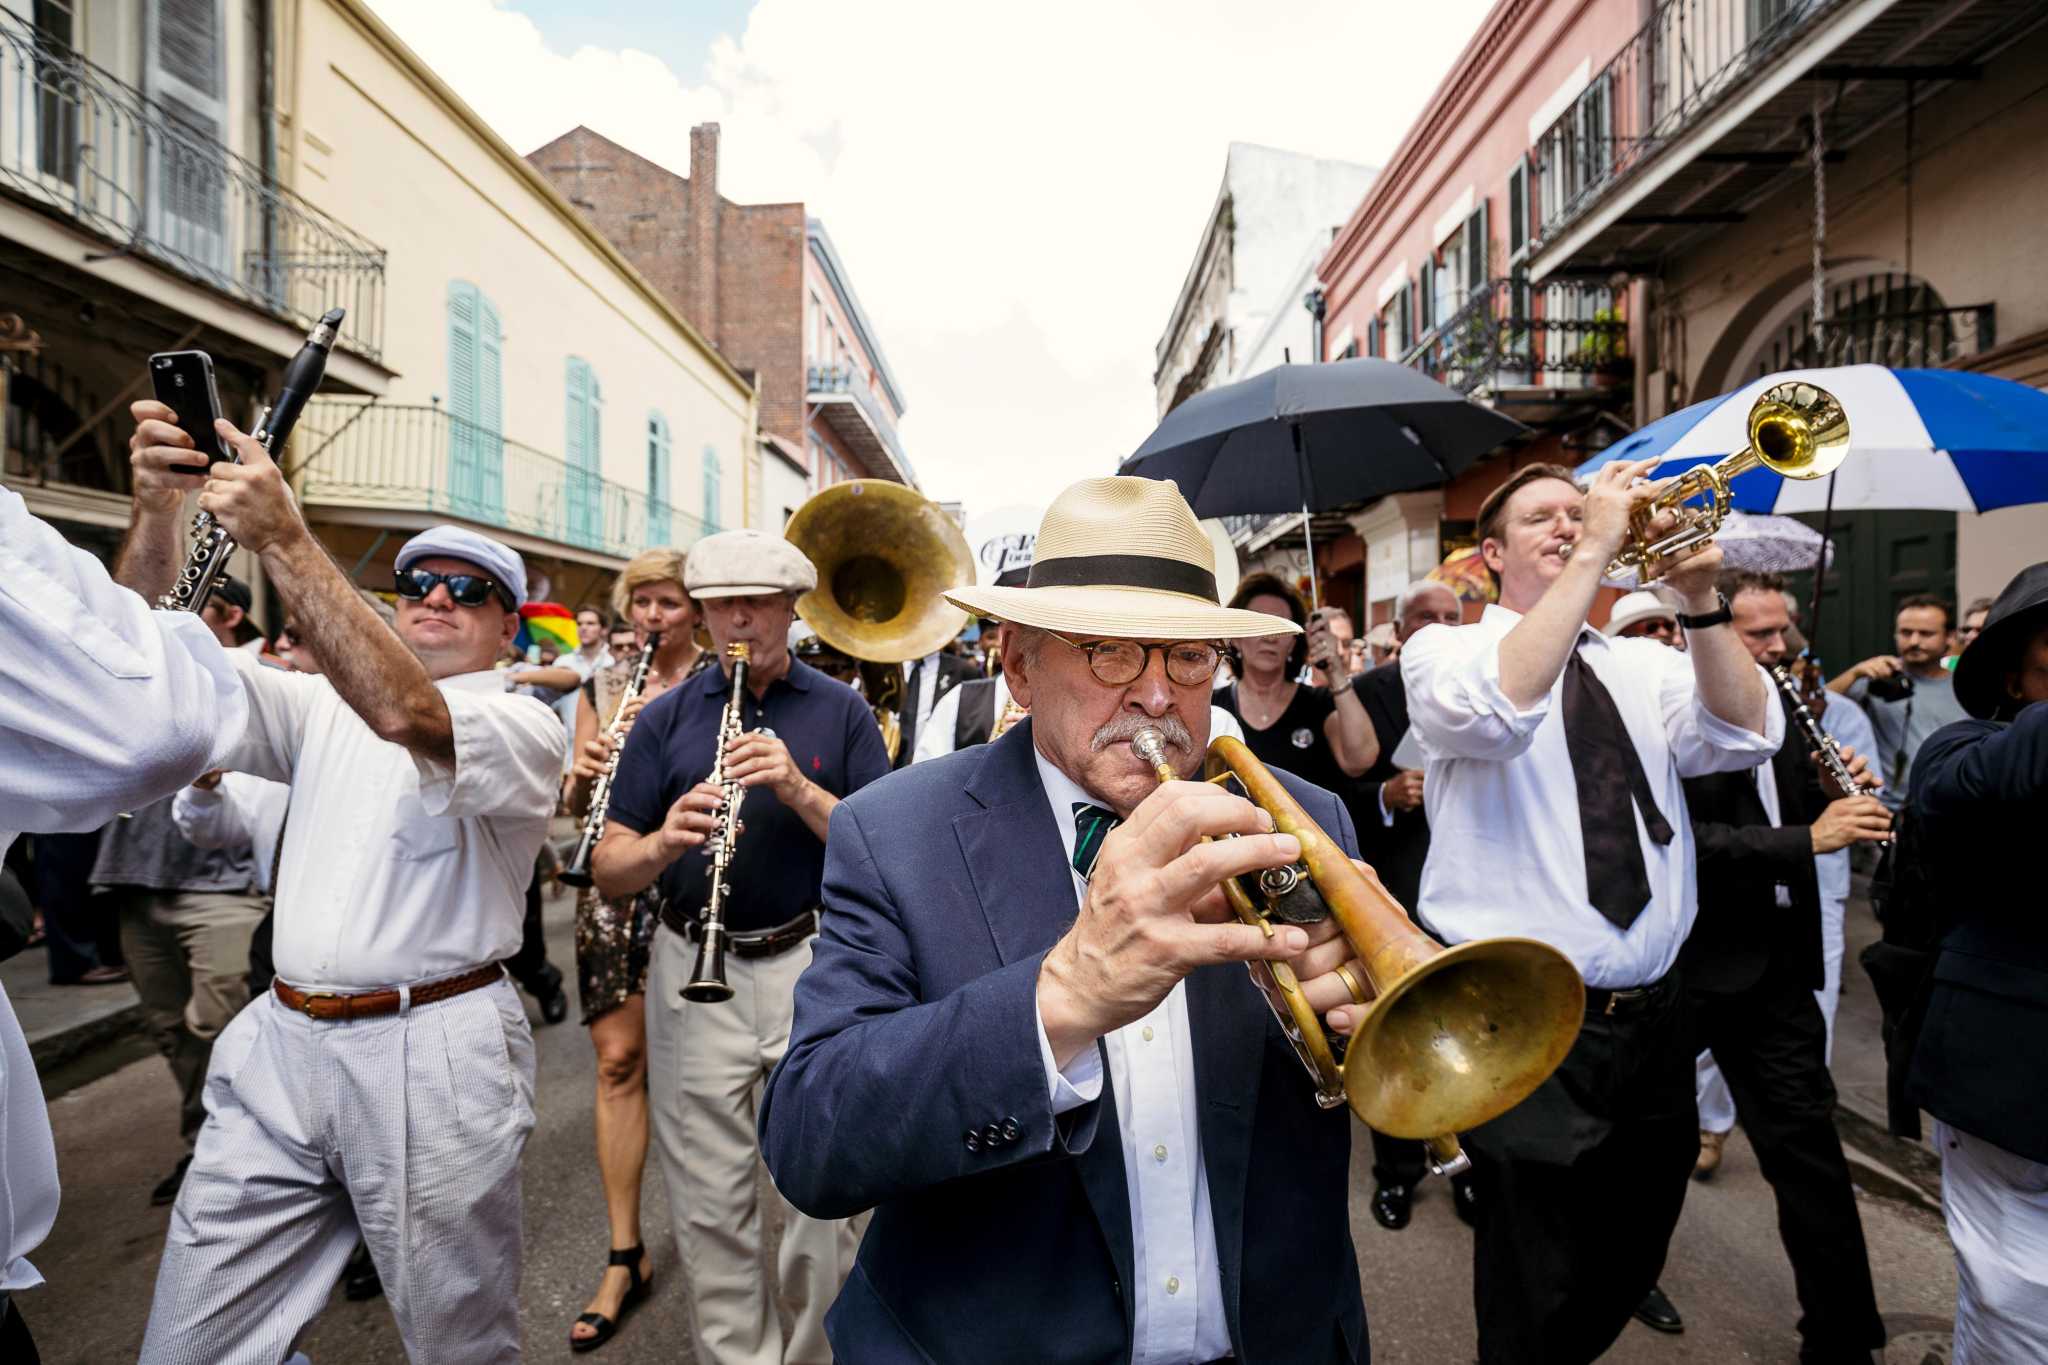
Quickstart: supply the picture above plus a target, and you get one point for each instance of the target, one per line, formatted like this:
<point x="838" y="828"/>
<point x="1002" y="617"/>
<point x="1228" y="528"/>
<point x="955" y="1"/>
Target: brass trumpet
<point x="1796" y="429"/>
<point x="1452" y="1037"/>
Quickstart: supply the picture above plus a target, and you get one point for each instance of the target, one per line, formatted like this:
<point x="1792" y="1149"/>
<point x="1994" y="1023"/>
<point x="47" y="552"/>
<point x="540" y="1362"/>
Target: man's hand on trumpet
<point x="1154" y="912"/>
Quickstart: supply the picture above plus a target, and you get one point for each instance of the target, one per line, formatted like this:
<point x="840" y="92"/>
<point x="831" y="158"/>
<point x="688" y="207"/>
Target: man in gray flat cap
<point x="383" y="1085"/>
<point x="809" y="741"/>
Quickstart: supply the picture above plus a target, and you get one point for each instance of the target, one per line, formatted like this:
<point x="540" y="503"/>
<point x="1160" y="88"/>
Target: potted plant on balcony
<point x="1604" y="352"/>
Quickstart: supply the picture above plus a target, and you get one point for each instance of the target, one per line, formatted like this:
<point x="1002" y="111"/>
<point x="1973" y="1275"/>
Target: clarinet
<point x="211" y="544"/>
<point x="577" y="873"/>
<point x="707" y="980"/>
<point x="1823" y="743"/>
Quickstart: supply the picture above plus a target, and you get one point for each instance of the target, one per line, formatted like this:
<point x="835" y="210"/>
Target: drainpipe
<point x="1317" y="306"/>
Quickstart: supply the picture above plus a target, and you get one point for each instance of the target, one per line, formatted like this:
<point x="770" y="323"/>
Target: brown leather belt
<point x="760" y="943"/>
<point x="335" y="1006"/>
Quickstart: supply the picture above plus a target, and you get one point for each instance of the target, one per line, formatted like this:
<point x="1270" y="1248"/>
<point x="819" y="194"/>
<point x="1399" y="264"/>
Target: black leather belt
<point x="758" y="943"/>
<point x="1633" y="1000"/>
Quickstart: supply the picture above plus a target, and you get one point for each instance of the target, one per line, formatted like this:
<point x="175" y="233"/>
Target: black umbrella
<point x="1316" y="437"/>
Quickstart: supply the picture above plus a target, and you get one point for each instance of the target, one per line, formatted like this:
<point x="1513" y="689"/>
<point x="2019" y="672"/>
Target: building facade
<point x="766" y="285"/>
<point x="501" y="364"/>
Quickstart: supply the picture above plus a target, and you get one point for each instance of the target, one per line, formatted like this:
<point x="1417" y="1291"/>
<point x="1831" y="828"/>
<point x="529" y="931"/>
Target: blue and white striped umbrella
<point x="1935" y="440"/>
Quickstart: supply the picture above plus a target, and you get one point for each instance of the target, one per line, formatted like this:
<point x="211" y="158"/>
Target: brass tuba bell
<point x="1452" y="1037"/>
<point x="1796" y="429"/>
<point x="886" y="556"/>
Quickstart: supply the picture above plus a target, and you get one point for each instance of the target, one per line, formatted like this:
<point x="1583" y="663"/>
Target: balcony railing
<point x="1515" y="335"/>
<point x="1682" y="63"/>
<point x="425" y="459"/>
<point x="1880" y="335"/>
<point x="159" y="183"/>
<point x="880" y="439"/>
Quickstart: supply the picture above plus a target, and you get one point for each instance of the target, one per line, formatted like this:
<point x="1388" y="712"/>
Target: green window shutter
<point x="575" y="452"/>
<point x="490" y="413"/>
<point x="659" y="530"/>
<point x="1429" y="319"/>
<point x="711" y="489"/>
<point x="462" y="474"/>
<point x="1475" y="249"/>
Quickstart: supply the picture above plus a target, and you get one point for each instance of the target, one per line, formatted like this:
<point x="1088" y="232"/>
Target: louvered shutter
<point x="576" y="439"/>
<point x="711" y="489"/>
<point x="1518" y="208"/>
<point x="659" y="530"/>
<point x="185" y="72"/>
<point x="1475" y="250"/>
<point x="1428" y="321"/>
<point x="490" y="413"/>
<point x="462" y="475"/>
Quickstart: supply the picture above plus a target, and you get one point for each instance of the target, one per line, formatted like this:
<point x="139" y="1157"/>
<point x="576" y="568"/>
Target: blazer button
<point x="992" y="1135"/>
<point x="973" y="1140"/>
<point x="1011" y="1130"/>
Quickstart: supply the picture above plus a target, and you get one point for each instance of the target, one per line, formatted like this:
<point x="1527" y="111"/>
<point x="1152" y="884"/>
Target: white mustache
<point x="1125" y="728"/>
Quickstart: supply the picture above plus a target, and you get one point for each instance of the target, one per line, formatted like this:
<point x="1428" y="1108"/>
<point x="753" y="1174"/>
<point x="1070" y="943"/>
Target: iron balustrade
<point x="1880" y="333"/>
<point x="371" y="454"/>
<point x="1682" y="63"/>
<point x="78" y="141"/>
<point x="830" y="379"/>
<point x="1512" y="334"/>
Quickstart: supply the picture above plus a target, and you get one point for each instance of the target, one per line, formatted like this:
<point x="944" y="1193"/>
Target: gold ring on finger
<point x="1351" y="983"/>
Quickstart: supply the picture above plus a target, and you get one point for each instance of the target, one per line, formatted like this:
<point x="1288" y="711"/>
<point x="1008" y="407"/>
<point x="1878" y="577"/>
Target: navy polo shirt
<point x="778" y="864"/>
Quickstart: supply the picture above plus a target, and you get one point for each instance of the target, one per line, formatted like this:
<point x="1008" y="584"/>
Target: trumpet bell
<point x="1799" y="431"/>
<point x="885" y="556"/>
<point x="1463" y="1037"/>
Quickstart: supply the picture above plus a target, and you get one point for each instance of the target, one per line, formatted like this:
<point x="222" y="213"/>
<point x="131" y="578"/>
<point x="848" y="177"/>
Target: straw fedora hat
<point x="1122" y="558"/>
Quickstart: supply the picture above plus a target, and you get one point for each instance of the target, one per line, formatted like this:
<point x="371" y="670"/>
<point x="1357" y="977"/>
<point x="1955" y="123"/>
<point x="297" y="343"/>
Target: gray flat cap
<point x="746" y="564"/>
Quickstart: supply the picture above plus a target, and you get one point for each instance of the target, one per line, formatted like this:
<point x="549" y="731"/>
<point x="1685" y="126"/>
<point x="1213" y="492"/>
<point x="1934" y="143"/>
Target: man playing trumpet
<point x="1155" y="1181"/>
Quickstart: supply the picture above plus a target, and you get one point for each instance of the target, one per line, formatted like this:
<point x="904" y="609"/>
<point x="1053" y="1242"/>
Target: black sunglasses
<point x="468" y="589"/>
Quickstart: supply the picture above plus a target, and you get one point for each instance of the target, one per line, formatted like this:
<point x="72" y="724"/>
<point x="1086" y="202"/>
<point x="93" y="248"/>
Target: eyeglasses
<point x="468" y="589"/>
<point x="1119" y="663"/>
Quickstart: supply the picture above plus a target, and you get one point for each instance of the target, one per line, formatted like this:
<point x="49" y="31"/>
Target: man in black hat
<point x="1980" y="799"/>
<point x="226" y="614"/>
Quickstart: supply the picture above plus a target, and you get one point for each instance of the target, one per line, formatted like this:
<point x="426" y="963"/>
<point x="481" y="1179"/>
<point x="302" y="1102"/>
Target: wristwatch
<point x="1719" y="616"/>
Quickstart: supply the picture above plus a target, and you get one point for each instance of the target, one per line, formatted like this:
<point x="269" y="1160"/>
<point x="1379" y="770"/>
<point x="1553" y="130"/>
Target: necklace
<point x="1261" y="711"/>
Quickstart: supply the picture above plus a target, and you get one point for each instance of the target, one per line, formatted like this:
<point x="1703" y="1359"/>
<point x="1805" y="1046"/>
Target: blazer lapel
<point x="1014" y="851"/>
<point x="1227" y="1020"/>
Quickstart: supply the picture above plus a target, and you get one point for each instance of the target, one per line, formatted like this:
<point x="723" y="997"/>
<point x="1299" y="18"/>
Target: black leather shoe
<point x="1659" y="1313"/>
<point x="1391" y="1205"/>
<point x="166" y="1190"/>
<point x="1465" y="1199"/>
<point x="360" y="1280"/>
<point x="555" y="1008"/>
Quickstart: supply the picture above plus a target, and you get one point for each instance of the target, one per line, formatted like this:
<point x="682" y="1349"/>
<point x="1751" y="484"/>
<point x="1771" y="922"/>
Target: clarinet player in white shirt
<point x="1554" y="758"/>
<point x="385" y="1082"/>
<point x="108" y="707"/>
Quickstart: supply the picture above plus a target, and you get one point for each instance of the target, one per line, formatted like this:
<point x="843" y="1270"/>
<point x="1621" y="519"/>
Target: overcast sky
<point x="1017" y="190"/>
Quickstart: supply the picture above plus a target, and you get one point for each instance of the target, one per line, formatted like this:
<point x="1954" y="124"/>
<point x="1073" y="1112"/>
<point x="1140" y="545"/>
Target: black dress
<point x="1296" y="742"/>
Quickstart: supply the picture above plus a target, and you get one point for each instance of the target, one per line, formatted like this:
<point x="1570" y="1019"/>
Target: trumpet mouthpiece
<point x="1150" y="746"/>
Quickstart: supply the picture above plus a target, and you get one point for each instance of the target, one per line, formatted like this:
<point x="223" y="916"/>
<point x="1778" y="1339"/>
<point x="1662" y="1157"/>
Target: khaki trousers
<point x="706" y="1065"/>
<point x="188" y="953"/>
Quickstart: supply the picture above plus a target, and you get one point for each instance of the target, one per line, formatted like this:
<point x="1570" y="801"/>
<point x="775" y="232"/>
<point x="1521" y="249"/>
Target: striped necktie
<point x="1092" y="825"/>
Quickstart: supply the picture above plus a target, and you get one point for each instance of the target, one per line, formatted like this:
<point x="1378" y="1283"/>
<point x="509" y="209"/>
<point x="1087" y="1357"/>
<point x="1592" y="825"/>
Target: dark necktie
<point x="1609" y="775"/>
<point x="1092" y="825"/>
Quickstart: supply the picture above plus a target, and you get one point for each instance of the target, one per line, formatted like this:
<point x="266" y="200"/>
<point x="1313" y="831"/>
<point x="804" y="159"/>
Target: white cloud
<point x="1017" y="190"/>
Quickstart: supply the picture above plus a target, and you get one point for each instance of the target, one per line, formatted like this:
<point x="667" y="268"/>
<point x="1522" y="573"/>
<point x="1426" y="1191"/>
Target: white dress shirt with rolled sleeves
<point x="242" y="810"/>
<point x="108" y="706"/>
<point x="1506" y="855"/>
<point x="396" y="869"/>
<point x="1177" y="1302"/>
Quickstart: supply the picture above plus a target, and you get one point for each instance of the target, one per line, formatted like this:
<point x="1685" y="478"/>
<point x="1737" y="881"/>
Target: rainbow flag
<point x="545" y="621"/>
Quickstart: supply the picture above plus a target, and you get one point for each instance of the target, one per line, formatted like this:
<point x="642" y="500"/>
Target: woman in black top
<point x="1320" y="736"/>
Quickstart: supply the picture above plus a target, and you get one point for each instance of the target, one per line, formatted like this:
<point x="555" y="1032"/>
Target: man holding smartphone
<point x="384" y="1083"/>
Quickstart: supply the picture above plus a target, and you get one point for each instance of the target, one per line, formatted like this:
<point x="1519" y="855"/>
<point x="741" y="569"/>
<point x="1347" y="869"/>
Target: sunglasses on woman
<point x="467" y="589"/>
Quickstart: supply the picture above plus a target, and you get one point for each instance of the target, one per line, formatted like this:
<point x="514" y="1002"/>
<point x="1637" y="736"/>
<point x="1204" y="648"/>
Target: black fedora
<point x="2020" y="611"/>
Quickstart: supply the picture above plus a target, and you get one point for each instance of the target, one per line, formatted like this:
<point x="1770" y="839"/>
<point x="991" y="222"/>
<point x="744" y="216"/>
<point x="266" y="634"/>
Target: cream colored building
<point x="501" y="364"/>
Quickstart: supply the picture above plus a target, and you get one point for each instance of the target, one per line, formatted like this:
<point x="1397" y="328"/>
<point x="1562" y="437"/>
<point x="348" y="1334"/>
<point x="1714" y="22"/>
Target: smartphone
<point x="183" y="381"/>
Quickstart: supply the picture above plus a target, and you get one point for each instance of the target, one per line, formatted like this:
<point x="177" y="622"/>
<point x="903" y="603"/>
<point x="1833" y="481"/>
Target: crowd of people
<point x="982" y="1014"/>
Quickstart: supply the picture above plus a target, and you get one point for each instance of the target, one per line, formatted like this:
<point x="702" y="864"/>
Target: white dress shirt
<point x="108" y="707"/>
<point x="242" y="810"/>
<point x="1506" y="855"/>
<point x="397" y="869"/>
<point x="1177" y="1302"/>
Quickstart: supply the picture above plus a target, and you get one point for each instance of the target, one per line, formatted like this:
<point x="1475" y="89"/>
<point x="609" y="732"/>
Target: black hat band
<point x="1123" y="571"/>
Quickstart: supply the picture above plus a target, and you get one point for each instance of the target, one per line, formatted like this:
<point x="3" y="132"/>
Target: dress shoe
<point x="166" y="1189"/>
<point x="1391" y="1205"/>
<point x="554" y="1008"/>
<point x="1465" y="1199"/>
<point x="1659" y="1313"/>
<point x="1709" y="1159"/>
<point x="360" y="1280"/>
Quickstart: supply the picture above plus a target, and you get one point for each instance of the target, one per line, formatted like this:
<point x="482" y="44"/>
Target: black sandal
<point x="606" y="1327"/>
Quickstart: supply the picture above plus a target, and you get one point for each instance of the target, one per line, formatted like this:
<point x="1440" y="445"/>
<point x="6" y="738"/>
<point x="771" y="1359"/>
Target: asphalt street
<point x="117" y="1135"/>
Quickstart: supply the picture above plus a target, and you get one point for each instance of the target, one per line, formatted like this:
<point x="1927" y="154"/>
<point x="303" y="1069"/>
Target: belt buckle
<point x="1631" y="995"/>
<point x="306" y="1001"/>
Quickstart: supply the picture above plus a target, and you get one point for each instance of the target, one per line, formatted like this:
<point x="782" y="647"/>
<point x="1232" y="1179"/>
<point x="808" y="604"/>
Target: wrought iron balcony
<point x="424" y="459"/>
<point x="159" y="183"/>
<point x="1515" y="335"/>
<point x="1882" y="320"/>
<point x="841" y="395"/>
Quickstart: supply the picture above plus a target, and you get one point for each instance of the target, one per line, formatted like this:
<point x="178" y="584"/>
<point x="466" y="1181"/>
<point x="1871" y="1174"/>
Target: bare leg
<point x="620" y="1037"/>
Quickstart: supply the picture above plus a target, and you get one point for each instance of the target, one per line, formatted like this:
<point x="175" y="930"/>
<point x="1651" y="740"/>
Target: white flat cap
<point x="494" y="557"/>
<point x="746" y="563"/>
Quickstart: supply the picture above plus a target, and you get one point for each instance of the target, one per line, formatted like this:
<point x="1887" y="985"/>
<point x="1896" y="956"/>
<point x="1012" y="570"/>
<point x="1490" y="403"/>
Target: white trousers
<point x="406" y="1128"/>
<point x="1717" y="1106"/>
<point x="1996" y="1204"/>
<point x="706" y="1065"/>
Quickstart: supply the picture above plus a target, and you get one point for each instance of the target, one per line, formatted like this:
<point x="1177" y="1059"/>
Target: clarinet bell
<point x="707" y="979"/>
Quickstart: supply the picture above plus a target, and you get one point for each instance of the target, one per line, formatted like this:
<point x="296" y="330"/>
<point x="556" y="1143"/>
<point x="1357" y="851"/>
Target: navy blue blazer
<point x="914" y="1086"/>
